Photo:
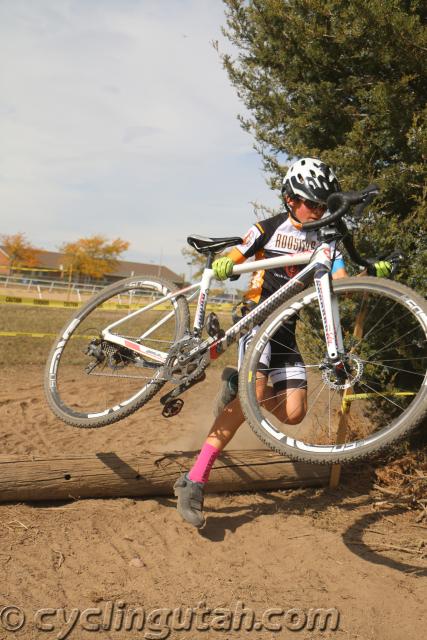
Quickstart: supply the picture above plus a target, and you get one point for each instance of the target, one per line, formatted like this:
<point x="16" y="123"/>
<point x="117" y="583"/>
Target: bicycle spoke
<point x="380" y="373"/>
<point x="371" y="330"/>
<point x="285" y="395"/>
<point x="295" y="351"/>
<point x="101" y="379"/>
<point x="292" y="333"/>
<point x="407" y="358"/>
<point x="380" y="395"/>
<point x="386" y="366"/>
<point x="394" y="341"/>
<point x="313" y="402"/>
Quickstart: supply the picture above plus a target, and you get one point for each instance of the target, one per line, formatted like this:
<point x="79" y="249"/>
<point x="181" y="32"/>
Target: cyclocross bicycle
<point x="362" y="340"/>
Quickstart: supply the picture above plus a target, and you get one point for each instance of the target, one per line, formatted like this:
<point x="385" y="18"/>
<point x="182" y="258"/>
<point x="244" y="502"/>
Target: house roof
<point x="53" y="260"/>
<point x="126" y="268"/>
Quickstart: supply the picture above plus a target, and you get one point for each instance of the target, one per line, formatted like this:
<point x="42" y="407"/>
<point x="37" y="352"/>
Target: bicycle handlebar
<point x="339" y="203"/>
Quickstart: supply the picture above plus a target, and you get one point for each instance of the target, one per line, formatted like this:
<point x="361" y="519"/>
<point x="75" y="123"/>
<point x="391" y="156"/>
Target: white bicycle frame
<point x="318" y="265"/>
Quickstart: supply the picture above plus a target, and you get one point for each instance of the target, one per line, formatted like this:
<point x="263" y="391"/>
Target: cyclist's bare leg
<point x="189" y="487"/>
<point x="289" y="407"/>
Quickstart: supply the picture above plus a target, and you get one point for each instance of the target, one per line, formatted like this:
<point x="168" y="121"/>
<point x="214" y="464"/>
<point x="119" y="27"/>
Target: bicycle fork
<point x="329" y="311"/>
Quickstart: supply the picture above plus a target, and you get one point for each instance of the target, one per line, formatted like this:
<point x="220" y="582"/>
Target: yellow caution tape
<point x="37" y="302"/>
<point x="20" y="334"/>
<point x="349" y="398"/>
<point x="64" y="304"/>
<point x="15" y="334"/>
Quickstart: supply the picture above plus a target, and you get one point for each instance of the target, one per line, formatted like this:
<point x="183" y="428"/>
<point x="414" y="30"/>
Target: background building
<point x="52" y="265"/>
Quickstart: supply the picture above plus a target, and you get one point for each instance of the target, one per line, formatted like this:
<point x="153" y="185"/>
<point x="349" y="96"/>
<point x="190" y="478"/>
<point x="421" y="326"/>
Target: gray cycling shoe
<point x="228" y="390"/>
<point x="190" y="500"/>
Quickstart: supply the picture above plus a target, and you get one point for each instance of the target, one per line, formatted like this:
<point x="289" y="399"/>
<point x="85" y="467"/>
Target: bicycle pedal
<point x="172" y="408"/>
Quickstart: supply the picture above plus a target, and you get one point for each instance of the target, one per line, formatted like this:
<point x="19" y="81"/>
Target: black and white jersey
<point x="271" y="238"/>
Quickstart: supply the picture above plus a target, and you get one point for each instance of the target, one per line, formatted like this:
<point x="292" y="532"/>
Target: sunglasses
<point x="312" y="205"/>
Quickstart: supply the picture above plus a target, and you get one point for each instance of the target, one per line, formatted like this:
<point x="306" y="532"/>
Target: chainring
<point x="184" y="372"/>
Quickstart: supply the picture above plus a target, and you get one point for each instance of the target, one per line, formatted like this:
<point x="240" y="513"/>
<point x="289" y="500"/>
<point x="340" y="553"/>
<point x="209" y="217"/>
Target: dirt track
<point x="294" y="549"/>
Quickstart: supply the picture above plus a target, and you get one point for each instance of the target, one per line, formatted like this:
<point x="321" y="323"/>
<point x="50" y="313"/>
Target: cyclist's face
<point x="306" y="211"/>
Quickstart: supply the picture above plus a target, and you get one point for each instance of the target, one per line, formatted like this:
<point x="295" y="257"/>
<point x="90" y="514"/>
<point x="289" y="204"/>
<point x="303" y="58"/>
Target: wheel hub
<point x="344" y="374"/>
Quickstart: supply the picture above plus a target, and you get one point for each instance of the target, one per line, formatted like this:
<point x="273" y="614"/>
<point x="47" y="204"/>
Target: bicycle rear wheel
<point x="381" y="395"/>
<point x="90" y="382"/>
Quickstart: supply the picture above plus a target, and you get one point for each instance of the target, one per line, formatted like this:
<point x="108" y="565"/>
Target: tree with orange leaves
<point x="20" y="251"/>
<point x="94" y="256"/>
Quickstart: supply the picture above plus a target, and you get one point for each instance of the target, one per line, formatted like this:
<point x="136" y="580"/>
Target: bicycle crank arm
<point x="170" y="400"/>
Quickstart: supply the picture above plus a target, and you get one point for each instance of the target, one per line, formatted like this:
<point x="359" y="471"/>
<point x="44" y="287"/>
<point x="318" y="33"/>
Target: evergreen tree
<point x="346" y="81"/>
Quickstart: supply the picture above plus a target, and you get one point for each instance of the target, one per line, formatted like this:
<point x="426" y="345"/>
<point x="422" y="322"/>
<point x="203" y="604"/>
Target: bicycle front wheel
<point x="91" y="382"/>
<point x="353" y="410"/>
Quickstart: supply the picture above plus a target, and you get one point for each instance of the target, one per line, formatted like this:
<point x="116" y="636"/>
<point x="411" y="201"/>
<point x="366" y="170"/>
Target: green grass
<point x="28" y="350"/>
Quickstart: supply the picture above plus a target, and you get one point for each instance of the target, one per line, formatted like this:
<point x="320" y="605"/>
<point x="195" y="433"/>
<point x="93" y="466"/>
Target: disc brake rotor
<point x="344" y="375"/>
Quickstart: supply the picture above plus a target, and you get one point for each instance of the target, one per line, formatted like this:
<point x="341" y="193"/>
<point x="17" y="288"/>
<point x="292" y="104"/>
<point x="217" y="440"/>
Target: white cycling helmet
<point x="310" y="179"/>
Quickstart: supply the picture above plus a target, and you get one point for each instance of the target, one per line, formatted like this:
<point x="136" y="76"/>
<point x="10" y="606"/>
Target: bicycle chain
<point x="111" y="350"/>
<point x="174" y="372"/>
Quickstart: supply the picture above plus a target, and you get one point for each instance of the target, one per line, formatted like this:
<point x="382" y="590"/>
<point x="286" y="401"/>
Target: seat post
<point x="209" y="260"/>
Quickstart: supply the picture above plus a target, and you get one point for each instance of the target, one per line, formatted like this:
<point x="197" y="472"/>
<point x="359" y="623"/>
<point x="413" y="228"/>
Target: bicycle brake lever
<point x="359" y="208"/>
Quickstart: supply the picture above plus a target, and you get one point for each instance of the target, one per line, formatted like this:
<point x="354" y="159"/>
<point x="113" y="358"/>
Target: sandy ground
<point x="264" y="562"/>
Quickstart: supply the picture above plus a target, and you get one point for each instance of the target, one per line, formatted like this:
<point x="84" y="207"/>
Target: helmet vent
<point x="311" y="179"/>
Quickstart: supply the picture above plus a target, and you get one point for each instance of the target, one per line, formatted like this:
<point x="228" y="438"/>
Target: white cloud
<point x="117" y="117"/>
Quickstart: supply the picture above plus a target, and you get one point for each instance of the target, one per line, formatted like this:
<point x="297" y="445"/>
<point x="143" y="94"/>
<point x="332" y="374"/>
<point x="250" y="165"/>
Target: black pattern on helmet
<point x="311" y="179"/>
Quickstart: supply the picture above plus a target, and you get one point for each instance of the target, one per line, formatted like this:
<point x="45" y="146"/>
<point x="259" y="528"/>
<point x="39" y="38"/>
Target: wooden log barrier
<point x="147" y="474"/>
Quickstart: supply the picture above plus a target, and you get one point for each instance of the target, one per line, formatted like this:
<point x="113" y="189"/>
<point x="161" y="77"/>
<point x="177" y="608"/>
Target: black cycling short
<point x="280" y="360"/>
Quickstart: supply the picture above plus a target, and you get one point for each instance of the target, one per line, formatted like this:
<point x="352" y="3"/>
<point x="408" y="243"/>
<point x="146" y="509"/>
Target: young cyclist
<point x="306" y="188"/>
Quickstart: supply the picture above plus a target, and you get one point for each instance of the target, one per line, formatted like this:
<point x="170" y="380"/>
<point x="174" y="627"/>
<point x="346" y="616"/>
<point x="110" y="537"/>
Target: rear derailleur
<point x="103" y="352"/>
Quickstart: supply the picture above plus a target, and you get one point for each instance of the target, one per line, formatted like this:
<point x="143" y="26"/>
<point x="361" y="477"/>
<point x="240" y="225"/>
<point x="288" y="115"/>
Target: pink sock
<point x="201" y="469"/>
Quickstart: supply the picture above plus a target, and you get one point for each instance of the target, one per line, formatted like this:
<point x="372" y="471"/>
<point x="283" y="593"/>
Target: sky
<point x="116" y="117"/>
